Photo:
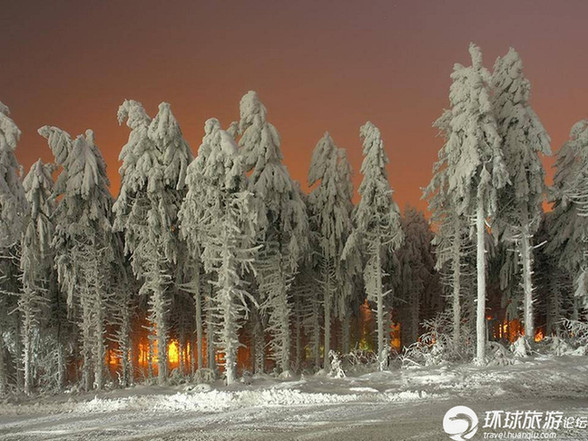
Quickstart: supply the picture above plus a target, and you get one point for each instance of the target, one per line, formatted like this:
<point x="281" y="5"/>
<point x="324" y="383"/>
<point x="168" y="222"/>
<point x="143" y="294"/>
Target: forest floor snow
<point x="400" y="404"/>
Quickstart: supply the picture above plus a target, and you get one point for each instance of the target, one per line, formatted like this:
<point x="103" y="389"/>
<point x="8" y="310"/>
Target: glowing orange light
<point x="539" y="335"/>
<point x="173" y="352"/>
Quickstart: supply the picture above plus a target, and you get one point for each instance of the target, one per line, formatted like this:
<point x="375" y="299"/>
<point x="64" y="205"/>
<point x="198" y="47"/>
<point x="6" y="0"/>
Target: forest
<point x="218" y="265"/>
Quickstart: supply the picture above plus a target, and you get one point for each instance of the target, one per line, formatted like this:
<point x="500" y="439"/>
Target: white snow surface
<point x="408" y="402"/>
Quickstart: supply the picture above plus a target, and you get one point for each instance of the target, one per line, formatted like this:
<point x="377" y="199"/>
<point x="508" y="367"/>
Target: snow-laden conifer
<point x="13" y="212"/>
<point x="82" y="241"/>
<point x="284" y="237"/>
<point x="155" y="160"/>
<point x="376" y="221"/>
<point x="568" y="224"/>
<point x="330" y="214"/>
<point x="523" y="141"/>
<point x="474" y="163"/>
<point x="36" y="259"/>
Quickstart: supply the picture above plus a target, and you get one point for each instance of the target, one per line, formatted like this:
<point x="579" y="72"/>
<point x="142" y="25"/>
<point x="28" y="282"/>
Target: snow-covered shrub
<point x="520" y="348"/>
<point x="498" y="355"/>
<point x="336" y="369"/>
<point x="204" y="375"/>
<point x="437" y="345"/>
<point x="577" y="331"/>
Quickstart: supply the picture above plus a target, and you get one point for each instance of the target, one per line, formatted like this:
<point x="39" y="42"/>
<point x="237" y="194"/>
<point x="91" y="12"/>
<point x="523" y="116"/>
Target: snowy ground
<point x="396" y="405"/>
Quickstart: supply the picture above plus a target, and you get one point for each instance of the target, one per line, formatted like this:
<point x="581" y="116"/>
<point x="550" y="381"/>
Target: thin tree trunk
<point x="27" y="339"/>
<point x="327" y="315"/>
<point x="456" y="304"/>
<point x="380" y="300"/>
<point x="481" y="278"/>
<point x="86" y="346"/>
<point x="198" y="307"/>
<point x="100" y="354"/>
<point x="346" y="332"/>
<point x="526" y="256"/>
<point x="2" y="364"/>
<point x="210" y="334"/>
<point x="258" y="342"/>
<point x="18" y="353"/>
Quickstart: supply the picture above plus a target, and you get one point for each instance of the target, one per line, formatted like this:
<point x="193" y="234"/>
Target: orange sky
<point x="318" y="65"/>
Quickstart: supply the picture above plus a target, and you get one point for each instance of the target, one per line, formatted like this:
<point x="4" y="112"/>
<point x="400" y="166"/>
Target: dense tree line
<point x="224" y="249"/>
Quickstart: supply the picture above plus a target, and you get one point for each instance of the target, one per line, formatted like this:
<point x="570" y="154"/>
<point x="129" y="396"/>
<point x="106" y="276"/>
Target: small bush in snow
<point x="205" y="375"/>
<point x="336" y="369"/>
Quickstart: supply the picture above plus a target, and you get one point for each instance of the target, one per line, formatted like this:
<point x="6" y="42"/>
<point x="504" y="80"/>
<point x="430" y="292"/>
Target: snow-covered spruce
<point x="376" y="226"/>
<point x="284" y="237"/>
<point x="82" y="240"/>
<point x="523" y="141"/>
<point x="155" y="161"/>
<point x="330" y="217"/>
<point x="475" y="166"/>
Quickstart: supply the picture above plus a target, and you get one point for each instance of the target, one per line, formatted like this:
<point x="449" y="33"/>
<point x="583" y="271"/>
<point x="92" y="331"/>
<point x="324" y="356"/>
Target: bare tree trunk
<point x="258" y="342"/>
<point x="327" y="315"/>
<point x="86" y="346"/>
<point x="346" y="332"/>
<point x="210" y="334"/>
<point x="2" y="364"/>
<point x="379" y="300"/>
<point x="198" y="306"/>
<point x="481" y="277"/>
<point x="526" y="256"/>
<point x="456" y="304"/>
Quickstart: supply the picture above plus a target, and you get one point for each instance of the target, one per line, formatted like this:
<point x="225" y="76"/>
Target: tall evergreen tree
<point x="330" y="215"/>
<point x="376" y="221"/>
<point x="416" y="271"/>
<point x="284" y="237"/>
<point x="155" y="161"/>
<point x="36" y="259"/>
<point x="82" y="240"/>
<point x="474" y="163"/>
<point x="569" y="222"/>
<point x="523" y="141"/>
<point x="13" y="212"/>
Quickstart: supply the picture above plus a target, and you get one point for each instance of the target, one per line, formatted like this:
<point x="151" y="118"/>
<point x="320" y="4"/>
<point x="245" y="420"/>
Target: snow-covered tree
<point x="205" y="178"/>
<point x="82" y="240"/>
<point x="416" y="271"/>
<point x="474" y="163"/>
<point x="284" y="237"/>
<point x="155" y="161"/>
<point x="36" y="259"/>
<point x="523" y="141"/>
<point x="568" y="225"/>
<point x="451" y="230"/>
<point x="376" y="225"/>
<point x="13" y="212"/>
<point x="330" y="215"/>
<point x="228" y="217"/>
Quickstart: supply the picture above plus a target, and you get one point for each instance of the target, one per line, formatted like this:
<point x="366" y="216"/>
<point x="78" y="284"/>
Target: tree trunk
<point x="2" y="364"/>
<point x="327" y="315"/>
<point x="157" y="316"/>
<point x="99" y="350"/>
<point x="258" y="342"/>
<point x="298" y="342"/>
<point x="86" y="346"/>
<point x="415" y="317"/>
<point x="380" y="302"/>
<point x="198" y="307"/>
<point x="27" y="325"/>
<point x="526" y="256"/>
<point x="456" y="304"/>
<point x="18" y="352"/>
<point x="481" y="278"/>
<point x="150" y="356"/>
<point x="346" y="332"/>
<point x="210" y="333"/>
